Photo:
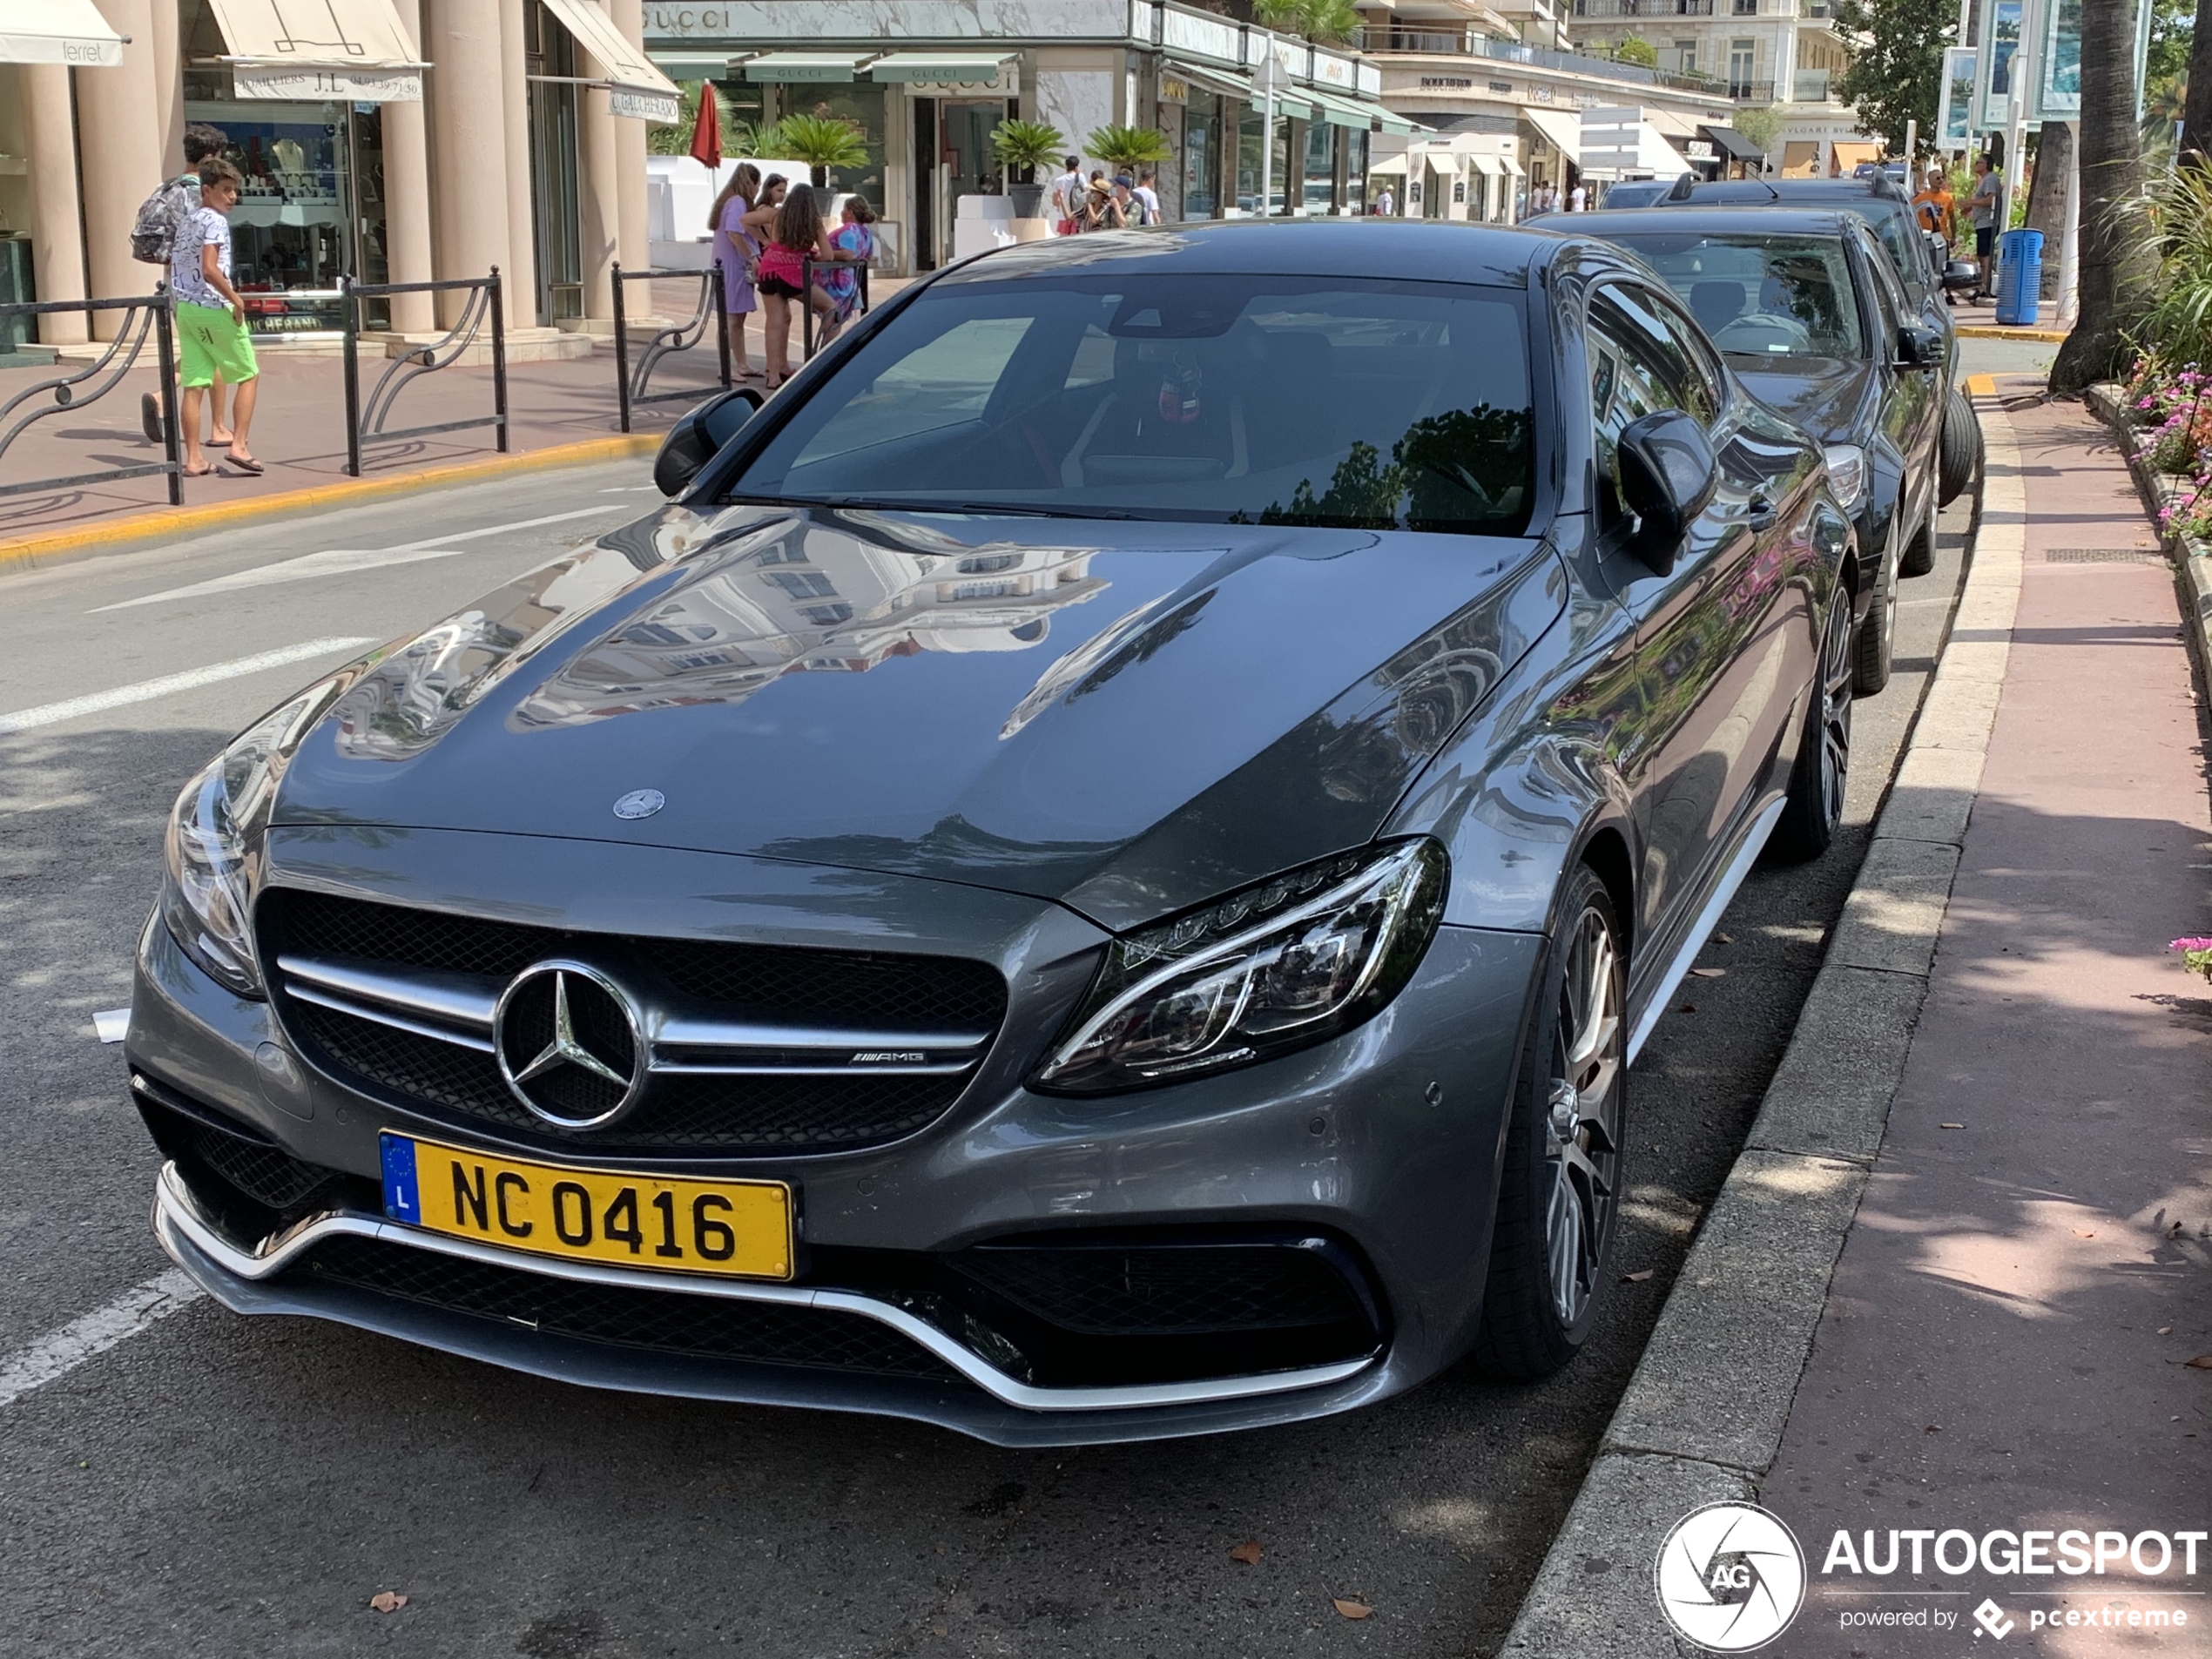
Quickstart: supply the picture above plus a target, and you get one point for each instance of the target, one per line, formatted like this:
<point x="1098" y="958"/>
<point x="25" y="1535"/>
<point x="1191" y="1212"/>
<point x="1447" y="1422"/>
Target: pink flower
<point x="2191" y="944"/>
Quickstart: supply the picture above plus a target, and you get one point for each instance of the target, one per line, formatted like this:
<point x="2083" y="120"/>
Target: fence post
<point x="721" y="321"/>
<point x="163" y="318"/>
<point x="351" y="308"/>
<point x="499" y="355"/>
<point x="622" y="356"/>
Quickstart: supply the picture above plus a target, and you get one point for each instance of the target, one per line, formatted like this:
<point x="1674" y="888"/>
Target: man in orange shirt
<point x="1936" y="209"/>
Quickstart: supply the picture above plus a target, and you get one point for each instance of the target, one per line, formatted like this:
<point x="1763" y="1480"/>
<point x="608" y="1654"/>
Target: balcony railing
<point x="1751" y="91"/>
<point x="1809" y="86"/>
<point x="1434" y="43"/>
<point x="1643" y="8"/>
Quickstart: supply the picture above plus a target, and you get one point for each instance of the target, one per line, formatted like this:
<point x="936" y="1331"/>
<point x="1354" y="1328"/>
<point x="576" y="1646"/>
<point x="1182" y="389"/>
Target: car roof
<point x="1785" y="192"/>
<point x="1721" y="221"/>
<point x="1420" y="250"/>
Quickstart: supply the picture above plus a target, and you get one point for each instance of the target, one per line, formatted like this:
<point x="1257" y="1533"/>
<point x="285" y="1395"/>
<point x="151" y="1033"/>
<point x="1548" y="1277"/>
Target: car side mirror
<point x="699" y="436"/>
<point x="1918" y="348"/>
<point x="1668" y="473"/>
<point x="1961" y="274"/>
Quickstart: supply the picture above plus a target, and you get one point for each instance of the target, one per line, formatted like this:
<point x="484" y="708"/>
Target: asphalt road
<point x="218" y="1485"/>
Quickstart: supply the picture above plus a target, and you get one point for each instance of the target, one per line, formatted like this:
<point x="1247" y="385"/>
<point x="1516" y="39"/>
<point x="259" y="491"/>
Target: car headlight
<point x="214" y="840"/>
<point x="1290" y="961"/>
<point x="1847" y="474"/>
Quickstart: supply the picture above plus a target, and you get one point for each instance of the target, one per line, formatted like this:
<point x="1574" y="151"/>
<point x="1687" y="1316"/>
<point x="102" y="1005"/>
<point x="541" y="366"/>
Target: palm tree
<point x="822" y="141"/>
<point x="1325" y="22"/>
<point x="1128" y="148"/>
<point x="2111" y="264"/>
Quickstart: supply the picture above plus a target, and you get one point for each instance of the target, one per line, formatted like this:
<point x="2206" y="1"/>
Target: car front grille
<point x="622" y="1316"/>
<point x="696" y="1113"/>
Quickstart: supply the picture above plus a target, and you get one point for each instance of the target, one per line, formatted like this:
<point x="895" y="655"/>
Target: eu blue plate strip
<point x="402" y="1200"/>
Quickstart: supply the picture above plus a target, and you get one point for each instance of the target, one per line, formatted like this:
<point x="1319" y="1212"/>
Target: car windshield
<point x="1249" y="399"/>
<point x="1892" y="226"/>
<point x="1762" y="295"/>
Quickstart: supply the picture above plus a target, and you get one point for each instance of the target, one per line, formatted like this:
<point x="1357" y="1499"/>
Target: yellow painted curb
<point x="190" y="521"/>
<point x="1975" y="331"/>
<point x="1981" y="385"/>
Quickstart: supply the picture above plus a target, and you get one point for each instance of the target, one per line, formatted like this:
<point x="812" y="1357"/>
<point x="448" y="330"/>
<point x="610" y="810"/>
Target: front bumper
<point x="1384" y="1141"/>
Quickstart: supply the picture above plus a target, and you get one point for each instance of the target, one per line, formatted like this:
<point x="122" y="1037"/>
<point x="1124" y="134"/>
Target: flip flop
<point x="199" y="472"/>
<point x="243" y="464"/>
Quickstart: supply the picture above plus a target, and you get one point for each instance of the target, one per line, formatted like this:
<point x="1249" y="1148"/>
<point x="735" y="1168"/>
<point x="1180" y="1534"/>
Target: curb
<point x="163" y="523"/>
<point x="1702" y="1417"/>
<point x="1983" y="331"/>
<point x="2192" y="558"/>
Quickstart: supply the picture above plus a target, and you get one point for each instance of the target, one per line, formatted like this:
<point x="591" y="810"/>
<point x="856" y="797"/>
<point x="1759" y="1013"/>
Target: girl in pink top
<point x="795" y="236"/>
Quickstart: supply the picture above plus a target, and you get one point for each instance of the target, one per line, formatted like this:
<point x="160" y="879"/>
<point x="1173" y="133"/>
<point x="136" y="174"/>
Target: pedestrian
<point x="1935" y="208"/>
<point x="1066" y="195"/>
<point x="1100" y="211"/>
<point x="176" y="199"/>
<point x="794" y="238"/>
<point x="1131" y="210"/>
<point x="1386" y="204"/>
<point x="1982" y="204"/>
<point x="1149" y="197"/>
<point x="854" y="237"/>
<point x="1578" y="199"/>
<point x="212" y="341"/>
<point x="738" y="252"/>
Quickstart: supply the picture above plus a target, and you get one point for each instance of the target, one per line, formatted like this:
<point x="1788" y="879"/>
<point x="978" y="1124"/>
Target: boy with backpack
<point x="153" y="237"/>
<point x="212" y="342"/>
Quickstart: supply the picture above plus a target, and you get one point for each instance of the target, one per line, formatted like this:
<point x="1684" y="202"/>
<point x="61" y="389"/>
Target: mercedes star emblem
<point x="640" y="803"/>
<point x="570" y="1044"/>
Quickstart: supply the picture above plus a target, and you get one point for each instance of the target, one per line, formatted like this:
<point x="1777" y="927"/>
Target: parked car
<point x="1636" y="193"/>
<point x="1927" y="274"/>
<point x="1097" y="874"/>
<point x="1810" y="314"/>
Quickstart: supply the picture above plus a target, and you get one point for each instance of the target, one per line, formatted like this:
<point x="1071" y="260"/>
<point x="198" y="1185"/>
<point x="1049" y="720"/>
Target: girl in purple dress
<point x="738" y="255"/>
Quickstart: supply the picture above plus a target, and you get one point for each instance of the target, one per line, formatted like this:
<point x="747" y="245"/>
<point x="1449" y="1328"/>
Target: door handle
<point x="1759" y="513"/>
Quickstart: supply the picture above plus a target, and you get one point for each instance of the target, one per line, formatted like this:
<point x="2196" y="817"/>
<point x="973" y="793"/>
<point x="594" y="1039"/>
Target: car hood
<point x="1126" y="717"/>
<point x="1824" y="396"/>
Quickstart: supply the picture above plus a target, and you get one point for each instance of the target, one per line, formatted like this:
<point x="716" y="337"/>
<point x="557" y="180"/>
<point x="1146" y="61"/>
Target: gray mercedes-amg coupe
<point x="1096" y="874"/>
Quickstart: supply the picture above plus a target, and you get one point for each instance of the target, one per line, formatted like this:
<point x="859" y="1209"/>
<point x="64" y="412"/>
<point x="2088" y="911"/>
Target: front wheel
<point x="1559" y="1191"/>
<point x="1813" y="811"/>
<point x="1960" y="456"/>
<point x="1920" y="552"/>
<point x="1877" y="647"/>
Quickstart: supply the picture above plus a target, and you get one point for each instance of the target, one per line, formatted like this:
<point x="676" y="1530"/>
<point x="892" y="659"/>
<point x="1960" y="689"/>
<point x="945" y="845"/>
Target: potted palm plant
<point x="1126" y="149"/>
<point x="1021" y="147"/>
<point x="822" y="141"/>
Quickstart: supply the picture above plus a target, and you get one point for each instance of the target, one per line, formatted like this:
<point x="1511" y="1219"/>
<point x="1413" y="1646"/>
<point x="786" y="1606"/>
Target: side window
<point x="1890" y="305"/>
<point x="1638" y="367"/>
<point x="1702" y="393"/>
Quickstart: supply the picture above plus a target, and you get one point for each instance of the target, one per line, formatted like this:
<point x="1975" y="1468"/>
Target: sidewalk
<point x="1980" y="322"/>
<point x="1991" y="1353"/>
<point x="299" y="431"/>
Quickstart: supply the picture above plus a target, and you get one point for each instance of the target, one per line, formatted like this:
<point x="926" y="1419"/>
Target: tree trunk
<point x="2046" y="197"/>
<point x="2196" y="110"/>
<point x="2111" y="267"/>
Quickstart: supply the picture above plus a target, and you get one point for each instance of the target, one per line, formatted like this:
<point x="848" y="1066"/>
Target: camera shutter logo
<point x="1730" y="1577"/>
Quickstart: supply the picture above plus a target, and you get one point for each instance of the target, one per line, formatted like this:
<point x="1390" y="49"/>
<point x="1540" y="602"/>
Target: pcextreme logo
<point x="1730" y="1577"/>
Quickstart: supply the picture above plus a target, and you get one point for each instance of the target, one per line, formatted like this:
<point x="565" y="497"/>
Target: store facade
<point x="925" y="82"/>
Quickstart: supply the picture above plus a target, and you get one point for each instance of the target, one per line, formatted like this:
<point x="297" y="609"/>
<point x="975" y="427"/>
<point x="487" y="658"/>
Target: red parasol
<point x="706" y="131"/>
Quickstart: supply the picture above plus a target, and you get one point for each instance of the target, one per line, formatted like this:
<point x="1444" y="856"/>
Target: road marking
<point x="147" y="691"/>
<point x="61" y="1351"/>
<point x="1981" y="385"/>
<point x="340" y="559"/>
<point x="111" y="1025"/>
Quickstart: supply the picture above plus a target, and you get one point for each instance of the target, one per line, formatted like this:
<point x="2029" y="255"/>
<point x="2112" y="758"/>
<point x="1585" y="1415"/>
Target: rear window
<point x="1759" y="295"/>
<point x="1242" y="399"/>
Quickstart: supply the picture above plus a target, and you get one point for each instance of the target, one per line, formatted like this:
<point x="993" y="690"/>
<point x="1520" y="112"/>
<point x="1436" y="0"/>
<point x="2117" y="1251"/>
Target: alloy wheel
<point x="1835" y="712"/>
<point x="1583" y="1119"/>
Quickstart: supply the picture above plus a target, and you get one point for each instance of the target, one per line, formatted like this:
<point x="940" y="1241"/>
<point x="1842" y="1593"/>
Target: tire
<point x="1961" y="452"/>
<point x="1876" y="647"/>
<point x="1813" y="811"/>
<point x="1559" y="1194"/>
<point x="1919" y="554"/>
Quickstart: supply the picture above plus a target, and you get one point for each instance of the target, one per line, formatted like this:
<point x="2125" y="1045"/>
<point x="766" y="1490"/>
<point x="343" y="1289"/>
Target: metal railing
<point x="1508" y="51"/>
<point x="1643" y="8"/>
<point x="807" y="269"/>
<point x="365" y="421"/>
<point x="629" y="386"/>
<point x="145" y="314"/>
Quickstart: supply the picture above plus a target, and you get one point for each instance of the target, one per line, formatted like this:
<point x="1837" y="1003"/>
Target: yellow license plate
<point x="738" y="1229"/>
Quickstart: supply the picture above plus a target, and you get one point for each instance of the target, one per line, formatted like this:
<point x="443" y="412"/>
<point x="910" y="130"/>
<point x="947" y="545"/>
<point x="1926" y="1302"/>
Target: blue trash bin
<point x="2020" y="278"/>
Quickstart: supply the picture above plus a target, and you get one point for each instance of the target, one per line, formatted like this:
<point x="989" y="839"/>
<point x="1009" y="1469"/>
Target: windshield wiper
<point x="975" y="509"/>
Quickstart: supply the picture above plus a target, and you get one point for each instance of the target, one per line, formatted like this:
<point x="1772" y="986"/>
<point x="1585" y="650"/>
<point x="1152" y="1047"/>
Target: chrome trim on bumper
<point x="177" y="1215"/>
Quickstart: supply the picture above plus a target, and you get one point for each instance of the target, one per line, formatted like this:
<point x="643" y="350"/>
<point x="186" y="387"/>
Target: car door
<point x="1912" y="413"/>
<point x="1688" y="764"/>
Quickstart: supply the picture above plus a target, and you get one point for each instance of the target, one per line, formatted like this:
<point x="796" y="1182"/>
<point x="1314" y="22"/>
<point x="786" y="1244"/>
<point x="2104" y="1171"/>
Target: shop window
<point x="1320" y="171"/>
<point x="1202" y="156"/>
<point x="863" y="104"/>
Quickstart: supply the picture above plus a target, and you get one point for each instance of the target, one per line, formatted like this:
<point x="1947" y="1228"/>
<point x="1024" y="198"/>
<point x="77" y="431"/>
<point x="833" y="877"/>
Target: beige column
<point x="119" y="115"/>
<point x="522" y="237"/>
<point x="407" y="191"/>
<point x="57" y="239"/>
<point x="599" y="192"/>
<point x="629" y="156"/>
<point x="469" y="142"/>
<point x="169" y="84"/>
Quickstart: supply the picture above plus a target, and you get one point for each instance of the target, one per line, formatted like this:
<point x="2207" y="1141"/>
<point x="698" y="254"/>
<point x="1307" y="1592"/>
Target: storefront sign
<point x="1698" y="150"/>
<point x="649" y="106"/>
<point x="313" y="85"/>
<point x="1007" y="85"/>
<point x="1447" y="83"/>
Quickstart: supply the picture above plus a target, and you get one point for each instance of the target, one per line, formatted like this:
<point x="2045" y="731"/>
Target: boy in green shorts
<point x="210" y="318"/>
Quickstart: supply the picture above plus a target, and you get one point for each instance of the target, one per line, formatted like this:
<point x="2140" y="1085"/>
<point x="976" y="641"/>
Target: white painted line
<point x="111" y="1025"/>
<point x="147" y="691"/>
<point x="340" y="559"/>
<point x="61" y="1351"/>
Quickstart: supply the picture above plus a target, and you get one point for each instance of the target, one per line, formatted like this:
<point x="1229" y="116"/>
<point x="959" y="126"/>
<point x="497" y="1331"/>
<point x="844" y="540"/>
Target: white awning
<point x="639" y="88"/>
<point x="1391" y="164"/>
<point x="961" y="68"/>
<point x="1656" y="156"/>
<point x="1486" y="164"/>
<point x="1562" y="129"/>
<point x="804" y="66"/>
<point x="1512" y="167"/>
<point x="57" y="31"/>
<point x="341" y="48"/>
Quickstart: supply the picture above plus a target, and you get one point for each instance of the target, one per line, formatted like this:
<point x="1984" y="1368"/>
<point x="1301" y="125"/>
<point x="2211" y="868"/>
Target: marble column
<point x="522" y="234"/>
<point x="469" y="142"/>
<point x="407" y="192"/>
<point x="56" y="233"/>
<point x="119" y="114"/>
<point x="169" y="84"/>
<point x="630" y="234"/>
<point x="599" y="191"/>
